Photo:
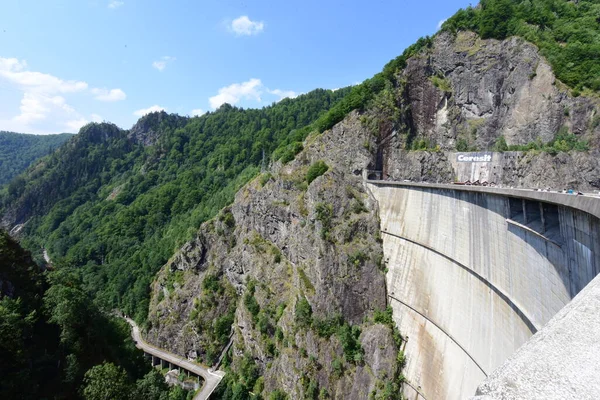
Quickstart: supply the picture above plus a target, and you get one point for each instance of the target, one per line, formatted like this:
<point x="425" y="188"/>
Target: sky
<point x="64" y="63"/>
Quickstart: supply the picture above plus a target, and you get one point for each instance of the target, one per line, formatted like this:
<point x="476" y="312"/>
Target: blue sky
<point x="64" y="63"/>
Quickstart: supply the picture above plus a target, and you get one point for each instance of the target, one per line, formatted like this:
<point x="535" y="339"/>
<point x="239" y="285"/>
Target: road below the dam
<point x="211" y="378"/>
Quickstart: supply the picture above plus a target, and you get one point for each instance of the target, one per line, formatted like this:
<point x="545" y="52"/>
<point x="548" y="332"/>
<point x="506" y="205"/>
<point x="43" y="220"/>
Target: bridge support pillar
<point x="542" y="217"/>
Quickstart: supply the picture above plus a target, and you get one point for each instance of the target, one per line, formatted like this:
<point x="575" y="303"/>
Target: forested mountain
<point x="18" y="151"/>
<point x="117" y="203"/>
<point x="53" y="333"/>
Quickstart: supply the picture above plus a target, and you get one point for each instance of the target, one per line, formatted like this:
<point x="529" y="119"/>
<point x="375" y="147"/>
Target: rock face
<point x="468" y="93"/>
<point x="149" y="128"/>
<point x="282" y="241"/>
<point x="478" y="90"/>
<point x="573" y="170"/>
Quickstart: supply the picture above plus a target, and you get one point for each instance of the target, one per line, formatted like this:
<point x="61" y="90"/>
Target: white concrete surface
<point x="471" y="285"/>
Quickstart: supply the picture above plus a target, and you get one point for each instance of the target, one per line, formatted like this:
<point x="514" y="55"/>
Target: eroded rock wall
<point x="535" y="170"/>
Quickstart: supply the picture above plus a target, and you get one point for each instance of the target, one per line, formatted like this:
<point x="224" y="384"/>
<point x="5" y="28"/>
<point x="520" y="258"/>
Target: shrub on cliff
<point x="303" y="312"/>
<point x="316" y="170"/>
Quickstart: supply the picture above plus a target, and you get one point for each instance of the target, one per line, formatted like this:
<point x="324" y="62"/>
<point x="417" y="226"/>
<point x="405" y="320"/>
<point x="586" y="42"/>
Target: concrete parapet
<point x="560" y="362"/>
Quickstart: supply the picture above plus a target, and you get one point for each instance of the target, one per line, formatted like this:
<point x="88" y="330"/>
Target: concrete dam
<point x="474" y="272"/>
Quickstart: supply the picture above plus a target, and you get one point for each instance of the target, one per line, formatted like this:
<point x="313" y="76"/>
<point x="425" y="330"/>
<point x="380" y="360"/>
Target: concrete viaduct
<point x="474" y="272"/>
<point x="165" y="358"/>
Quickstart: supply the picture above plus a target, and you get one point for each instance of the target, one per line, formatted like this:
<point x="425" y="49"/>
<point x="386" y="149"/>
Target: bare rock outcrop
<point x="478" y="90"/>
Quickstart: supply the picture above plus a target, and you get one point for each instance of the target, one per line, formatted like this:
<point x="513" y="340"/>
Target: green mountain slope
<point x="52" y="333"/>
<point x="118" y="203"/>
<point x="18" y="151"/>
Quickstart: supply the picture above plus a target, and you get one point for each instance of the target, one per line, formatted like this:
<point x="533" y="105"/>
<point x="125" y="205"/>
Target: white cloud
<point x="75" y="124"/>
<point x="12" y="64"/>
<point x="108" y="95"/>
<point x="198" y="112"/>
<point x="244" y="26"/>
<point x="43" y="107"/>
<point x="113" y="4"/>
<point x="284" y="93"/>
<point x="252" y="89"/>
<point x="439" y="25"/>
<point x="151" y="109"/>
<point x="162" y="63"/>
<point x="232" y="94"/>
<point x="36" y="107"/>
<point x="14" y="71"/>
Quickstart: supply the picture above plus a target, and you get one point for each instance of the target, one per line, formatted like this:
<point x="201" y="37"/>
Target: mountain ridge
<point x="19" y="150"/>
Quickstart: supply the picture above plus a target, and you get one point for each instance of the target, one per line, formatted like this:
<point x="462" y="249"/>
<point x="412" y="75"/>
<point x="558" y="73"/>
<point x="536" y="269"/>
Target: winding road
<point x="211" y="378"/>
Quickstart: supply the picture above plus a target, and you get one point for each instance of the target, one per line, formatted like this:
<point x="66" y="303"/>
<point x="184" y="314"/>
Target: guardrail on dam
<point x="474" y="272"/>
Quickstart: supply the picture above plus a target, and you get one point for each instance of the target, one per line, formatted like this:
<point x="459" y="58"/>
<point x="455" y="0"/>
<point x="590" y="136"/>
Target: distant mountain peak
<point x="148" y="129"/>
<point x="97" y="132"/>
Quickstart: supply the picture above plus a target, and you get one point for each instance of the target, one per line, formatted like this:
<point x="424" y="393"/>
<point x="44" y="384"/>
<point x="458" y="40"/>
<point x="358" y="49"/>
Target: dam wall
<point x="474" y="272"/>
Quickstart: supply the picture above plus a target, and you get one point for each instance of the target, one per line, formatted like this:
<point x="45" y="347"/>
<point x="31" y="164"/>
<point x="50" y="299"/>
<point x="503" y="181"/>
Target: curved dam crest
<point x="473" y="273"/>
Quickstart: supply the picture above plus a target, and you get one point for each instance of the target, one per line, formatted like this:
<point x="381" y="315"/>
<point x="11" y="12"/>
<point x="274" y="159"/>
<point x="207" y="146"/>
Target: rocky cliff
<point x="296" y="267"/>
<point x="148" y="129"/>
<point x="471" y="94"/>
<point x="478" y="90"/>
<point x="537" y="170"/>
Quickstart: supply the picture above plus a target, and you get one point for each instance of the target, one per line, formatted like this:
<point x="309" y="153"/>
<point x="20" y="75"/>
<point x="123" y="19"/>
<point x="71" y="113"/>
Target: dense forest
<point x="117" y="209"/>
<point x="56" y="343"/>
<point x="18" y="151"/>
